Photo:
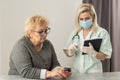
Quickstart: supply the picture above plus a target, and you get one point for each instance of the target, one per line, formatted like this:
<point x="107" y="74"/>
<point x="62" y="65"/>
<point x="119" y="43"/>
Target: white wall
<point x="13" y="13"/>
<point x="0" y="43"/>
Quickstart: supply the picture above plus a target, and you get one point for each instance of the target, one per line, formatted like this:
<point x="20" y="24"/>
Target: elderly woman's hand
<point x="58" y="73"/>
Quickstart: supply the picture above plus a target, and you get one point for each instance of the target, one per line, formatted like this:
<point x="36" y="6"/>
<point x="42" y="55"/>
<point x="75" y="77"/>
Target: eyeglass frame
<point x="46" y="31"/>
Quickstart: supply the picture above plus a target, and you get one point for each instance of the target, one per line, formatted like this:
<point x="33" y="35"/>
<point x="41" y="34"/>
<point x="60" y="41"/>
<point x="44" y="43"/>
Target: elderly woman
<point x="86" y="29"/>
<point x="33" y="56"/>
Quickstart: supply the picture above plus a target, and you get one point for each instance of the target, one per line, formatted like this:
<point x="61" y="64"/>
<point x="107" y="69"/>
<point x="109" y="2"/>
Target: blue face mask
<point x="86" y="24"/>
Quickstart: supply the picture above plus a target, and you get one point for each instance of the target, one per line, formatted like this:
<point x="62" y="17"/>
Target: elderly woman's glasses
<point x="46" y="31"/>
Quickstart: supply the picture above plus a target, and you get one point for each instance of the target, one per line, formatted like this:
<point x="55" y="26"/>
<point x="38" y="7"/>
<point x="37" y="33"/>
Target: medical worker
<point x="87" y="28"/>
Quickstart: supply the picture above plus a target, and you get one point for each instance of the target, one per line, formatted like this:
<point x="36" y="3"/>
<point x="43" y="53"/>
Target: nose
<point x="84" y="20"/>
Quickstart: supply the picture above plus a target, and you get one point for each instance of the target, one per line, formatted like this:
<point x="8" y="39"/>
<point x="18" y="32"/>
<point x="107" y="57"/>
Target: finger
<point x="75" y="44"/>
<point x="61" y="74"/>
<point x="75" y="48"/>
<point x="67" y="74"/>
<point x="57" y="76"/>
<point x="90" y="44"/>
<point x="70" y="47"/>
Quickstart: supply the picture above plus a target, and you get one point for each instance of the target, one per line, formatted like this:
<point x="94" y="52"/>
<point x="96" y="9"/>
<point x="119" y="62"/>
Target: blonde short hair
<point x="86" y="7"/>
<point x="33" y="21"/>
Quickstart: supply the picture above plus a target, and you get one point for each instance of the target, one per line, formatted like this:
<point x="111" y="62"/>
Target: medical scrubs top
<point x="88" y="63"/>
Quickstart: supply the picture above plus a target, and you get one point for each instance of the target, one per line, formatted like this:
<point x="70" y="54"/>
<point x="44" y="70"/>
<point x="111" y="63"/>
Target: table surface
<point x="92" y="76"/>
<point x="96" y="76"/>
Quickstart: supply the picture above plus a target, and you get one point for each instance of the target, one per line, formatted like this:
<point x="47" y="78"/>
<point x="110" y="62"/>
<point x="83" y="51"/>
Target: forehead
<point x="84" y="15"/>
<point x="41" y="27"/>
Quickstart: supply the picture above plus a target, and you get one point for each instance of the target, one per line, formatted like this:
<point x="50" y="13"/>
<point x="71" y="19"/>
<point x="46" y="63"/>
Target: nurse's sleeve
<point x="106" y="46"/>
<point x="69" y="42"/>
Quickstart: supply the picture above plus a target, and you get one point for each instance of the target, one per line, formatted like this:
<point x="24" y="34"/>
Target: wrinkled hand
<point x="89" y="50"/>
<point x="58" y="73"/>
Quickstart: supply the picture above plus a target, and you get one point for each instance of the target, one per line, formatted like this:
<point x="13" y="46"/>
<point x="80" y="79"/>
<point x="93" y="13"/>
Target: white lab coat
<point x="88" y="63"/>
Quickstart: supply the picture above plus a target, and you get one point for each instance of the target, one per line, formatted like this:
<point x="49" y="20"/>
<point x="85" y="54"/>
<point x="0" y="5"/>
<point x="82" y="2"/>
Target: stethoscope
<point x="76" y="36"/>
<point x="76" y="39"/>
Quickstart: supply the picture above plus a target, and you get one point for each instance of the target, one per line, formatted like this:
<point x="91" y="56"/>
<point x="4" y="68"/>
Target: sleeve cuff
<point x="43" y="74"/>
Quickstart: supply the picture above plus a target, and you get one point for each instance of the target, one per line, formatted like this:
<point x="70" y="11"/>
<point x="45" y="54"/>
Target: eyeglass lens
<point x="46" y="31"/>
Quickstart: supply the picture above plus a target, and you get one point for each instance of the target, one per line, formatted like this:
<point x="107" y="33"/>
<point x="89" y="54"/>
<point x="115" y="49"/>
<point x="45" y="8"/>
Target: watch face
<point x="67" y="69"/>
